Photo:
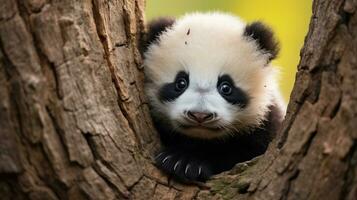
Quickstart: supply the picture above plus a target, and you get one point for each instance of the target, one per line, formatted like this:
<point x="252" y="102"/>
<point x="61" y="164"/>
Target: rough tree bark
<point x="74" y="123"/>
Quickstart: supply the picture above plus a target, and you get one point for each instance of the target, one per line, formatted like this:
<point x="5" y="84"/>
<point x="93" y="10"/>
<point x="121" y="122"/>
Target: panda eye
<point x="225" y="88"/>
<point x="181" y="84"/>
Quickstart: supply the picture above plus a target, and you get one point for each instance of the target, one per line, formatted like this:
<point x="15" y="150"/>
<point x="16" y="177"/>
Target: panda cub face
<point x="204" y="108"/>
<point x="208" y="75"/>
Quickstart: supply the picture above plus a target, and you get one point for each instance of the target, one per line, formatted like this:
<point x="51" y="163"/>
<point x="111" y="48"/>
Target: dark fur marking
<point x="238" y="96"/>
<point x="264" y="38"/>
<point x="168" y="92"/>
<point x="155" y="29"/>
<point x="213" y="156"/>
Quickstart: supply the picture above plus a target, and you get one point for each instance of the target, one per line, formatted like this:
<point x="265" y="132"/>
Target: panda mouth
<point x="200" y="126"/>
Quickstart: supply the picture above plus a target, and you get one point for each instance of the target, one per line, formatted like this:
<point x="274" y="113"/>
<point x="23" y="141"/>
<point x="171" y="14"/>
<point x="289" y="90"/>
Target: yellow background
<point x="288" y="18"/>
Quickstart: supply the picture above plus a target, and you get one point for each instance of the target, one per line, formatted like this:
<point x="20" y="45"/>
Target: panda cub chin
<point x="212" y="91"/>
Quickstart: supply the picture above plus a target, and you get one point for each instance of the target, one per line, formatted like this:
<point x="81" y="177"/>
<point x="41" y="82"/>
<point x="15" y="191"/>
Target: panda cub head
<point x="209" y="74"/>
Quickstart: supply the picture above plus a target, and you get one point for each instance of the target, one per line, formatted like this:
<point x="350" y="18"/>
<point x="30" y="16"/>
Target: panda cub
<point x="212" y="92"/>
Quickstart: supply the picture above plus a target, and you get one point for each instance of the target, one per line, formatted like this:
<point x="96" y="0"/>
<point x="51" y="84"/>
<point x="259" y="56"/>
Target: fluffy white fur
<point x="214" y="46"/>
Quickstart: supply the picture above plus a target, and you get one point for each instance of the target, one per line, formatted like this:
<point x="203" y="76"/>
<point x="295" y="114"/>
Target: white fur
<point x="214" y="46"/>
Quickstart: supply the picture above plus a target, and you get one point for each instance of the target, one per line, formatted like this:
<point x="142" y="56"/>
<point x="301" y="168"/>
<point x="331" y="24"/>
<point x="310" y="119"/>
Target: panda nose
<point x="200" y="117"/>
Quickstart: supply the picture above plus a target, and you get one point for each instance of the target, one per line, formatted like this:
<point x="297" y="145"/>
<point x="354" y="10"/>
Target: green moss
<point x="219" y="185"/>
<point x="242" y="185"/>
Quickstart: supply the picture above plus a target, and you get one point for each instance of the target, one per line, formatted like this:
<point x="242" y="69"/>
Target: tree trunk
<point x="74" y="121"/>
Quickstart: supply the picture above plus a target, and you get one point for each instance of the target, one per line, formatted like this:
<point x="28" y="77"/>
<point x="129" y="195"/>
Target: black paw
<point x="184" y="167"/>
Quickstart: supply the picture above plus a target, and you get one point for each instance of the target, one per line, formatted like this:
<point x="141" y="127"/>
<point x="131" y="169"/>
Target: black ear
<point x="155" y="29"/>
<point x="264" y="37"/>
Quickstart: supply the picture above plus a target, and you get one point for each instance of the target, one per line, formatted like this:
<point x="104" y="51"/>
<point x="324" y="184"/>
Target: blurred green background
<point x="288" y="18"/>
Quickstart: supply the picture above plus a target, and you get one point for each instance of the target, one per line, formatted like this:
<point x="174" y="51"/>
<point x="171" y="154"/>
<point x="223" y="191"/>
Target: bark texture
<point x="74" y="122"/>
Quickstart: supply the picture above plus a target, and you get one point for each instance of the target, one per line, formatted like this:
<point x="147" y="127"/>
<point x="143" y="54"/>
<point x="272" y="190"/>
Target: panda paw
<point x="184" y="167"/>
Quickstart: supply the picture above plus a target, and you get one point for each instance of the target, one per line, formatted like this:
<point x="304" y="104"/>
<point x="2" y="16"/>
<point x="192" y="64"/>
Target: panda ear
<point x="264" y="37"/>
<point x="155" y="29"/>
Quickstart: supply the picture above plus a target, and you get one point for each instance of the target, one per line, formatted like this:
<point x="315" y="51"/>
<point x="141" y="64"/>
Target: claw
<point x="199" y="170"/>
<point x="187" y="167"/>
<point x="165" y="159"/>
<point x="156" y="157"/>
<point x="177" y="163"/>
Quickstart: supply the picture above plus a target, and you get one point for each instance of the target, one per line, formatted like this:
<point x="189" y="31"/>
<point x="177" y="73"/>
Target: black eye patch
<point x="236" y="96"/>
<point x="171" y="91"/>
